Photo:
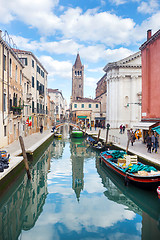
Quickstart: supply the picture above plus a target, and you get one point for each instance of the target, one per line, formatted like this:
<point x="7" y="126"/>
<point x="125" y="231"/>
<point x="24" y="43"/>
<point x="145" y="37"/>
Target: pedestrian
<point x="41" y="129"/>
<point x="153" y="139"/>
<point x="123" y="128"/>
<point x="132" y="138"/>
<point x="149" y="143"/>
<point x="156" y="142"/>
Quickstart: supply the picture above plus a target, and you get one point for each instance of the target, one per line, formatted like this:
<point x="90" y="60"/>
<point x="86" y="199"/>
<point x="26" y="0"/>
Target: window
<point x="33" y="82"/>
<point x="38" y="69"/>
<point x="32" y="107"/>
<point x="4" y="63"/>
<point x="4" y="102"/>
<point x="75" y="105"/>
<point x="5" y="131"/>
<point x="24" y="61"/>
<point x="82" y="105"/>
<point x="37" y="85"/>
<point x="33" y="63"/>
<point x="24" y="87"/>
<point x="96" y="105"/>
<point x="10" y="67"/>
<point x="79" y="86"/>
<point x="20" y="77"/>
<point x="90" y="105"/>
<point x="75" y="73"/>
<point x="16" y="74"/>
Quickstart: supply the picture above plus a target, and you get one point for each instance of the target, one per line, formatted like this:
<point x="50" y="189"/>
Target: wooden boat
<point x="130" y="170"/>
<point x="57" y="135"/>
<point x="95" y="144"/>
<point x="77" y="134"/>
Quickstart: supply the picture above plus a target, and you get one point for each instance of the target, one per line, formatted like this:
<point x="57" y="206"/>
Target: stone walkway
<point x="31" y="143"/>
<point x="120" y="140"/>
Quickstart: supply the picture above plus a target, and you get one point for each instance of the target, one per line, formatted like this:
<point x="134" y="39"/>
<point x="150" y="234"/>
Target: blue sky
<point x="102" y="31"/>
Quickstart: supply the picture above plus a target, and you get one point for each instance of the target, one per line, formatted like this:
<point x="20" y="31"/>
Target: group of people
<point x="152" y="142"/>
<point x="122" y="128"/>
<point x="137" y="134"/>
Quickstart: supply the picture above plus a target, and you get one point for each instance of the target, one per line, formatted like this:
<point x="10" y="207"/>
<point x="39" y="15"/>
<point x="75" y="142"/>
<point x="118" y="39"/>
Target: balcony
<point x="17" y="110"/>
<point x="29" y="96"/>
<point x="41" y="93"/>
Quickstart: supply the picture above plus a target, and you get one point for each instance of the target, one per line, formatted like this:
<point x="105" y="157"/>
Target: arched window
<point x="75" y="73"/>
<point x="10" y="67"/>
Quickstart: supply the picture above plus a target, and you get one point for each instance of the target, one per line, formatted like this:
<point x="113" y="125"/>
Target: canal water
<point x="73" y="196"/>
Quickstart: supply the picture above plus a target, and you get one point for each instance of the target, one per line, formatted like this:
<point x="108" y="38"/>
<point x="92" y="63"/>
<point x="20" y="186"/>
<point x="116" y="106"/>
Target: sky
<point x="102" y="31"/>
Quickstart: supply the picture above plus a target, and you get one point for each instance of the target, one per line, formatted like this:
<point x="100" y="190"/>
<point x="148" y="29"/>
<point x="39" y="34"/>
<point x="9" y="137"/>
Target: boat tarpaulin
<point x="157" y="129"/>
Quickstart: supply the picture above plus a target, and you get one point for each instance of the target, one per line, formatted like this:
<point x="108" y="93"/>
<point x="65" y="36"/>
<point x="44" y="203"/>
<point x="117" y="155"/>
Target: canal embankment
<point x="32" y="144"/>
<point x="118" y="140"/>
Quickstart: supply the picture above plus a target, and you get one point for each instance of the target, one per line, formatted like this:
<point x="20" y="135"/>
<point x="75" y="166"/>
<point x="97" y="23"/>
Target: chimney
<point x="149" y="34"/>
<point x="0" y="33"/>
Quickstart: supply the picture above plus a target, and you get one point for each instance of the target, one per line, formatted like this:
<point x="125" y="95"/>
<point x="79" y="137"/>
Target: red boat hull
<point x="147" y="182"/>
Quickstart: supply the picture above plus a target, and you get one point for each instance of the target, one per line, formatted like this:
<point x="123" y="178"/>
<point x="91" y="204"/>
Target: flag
<point x="29" y="121"/>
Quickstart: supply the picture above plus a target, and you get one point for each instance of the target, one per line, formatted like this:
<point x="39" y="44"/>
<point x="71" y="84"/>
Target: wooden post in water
<point x="129" y="138"/>
<point x="98" y="135"/>
<point x="107" y="135"/>
<point x="24" y="157"/>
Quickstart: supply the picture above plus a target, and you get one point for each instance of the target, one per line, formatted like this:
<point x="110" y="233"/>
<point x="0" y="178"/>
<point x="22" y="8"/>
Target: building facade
<point x="11" y="94"/>
<point x="77" y="79"/>
<point x="101" y="96"/>
<point x="150" y="51"/>
<point x="37" y="76"/>
<point x="124" y="91"/>
<point x="60" y="104"/>
<point x="85" y="110"/>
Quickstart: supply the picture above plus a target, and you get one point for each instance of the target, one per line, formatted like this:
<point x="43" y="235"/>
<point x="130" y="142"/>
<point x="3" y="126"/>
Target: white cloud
<point x="148" y="6"/>
<point x="57" y="68"/>
<point x="118" y="2"/>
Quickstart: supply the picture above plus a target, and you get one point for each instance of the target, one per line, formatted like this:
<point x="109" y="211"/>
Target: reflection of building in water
<point x="25" y="201"/>
<point x="36" y="193"/>
<point x="57" y="148"/>
<point x="114" y="194"/>
<point x="138" y="200"/>
<point x="77" y="175"/>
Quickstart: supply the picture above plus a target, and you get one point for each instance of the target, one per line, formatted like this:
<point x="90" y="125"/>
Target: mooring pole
<point x="98" y="135"/>
<point x="107" y="135"/>
<point x="24" y="157"/>
<point x="129" y="138"/>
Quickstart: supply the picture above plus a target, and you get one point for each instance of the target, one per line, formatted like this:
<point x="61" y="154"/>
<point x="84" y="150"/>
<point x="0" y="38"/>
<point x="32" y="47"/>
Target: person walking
<point x="121" y="128"/>
<point x="41" y="129"/>
<point x="124" y="128"/>
<point x="153" y="139"/>
<point x="156" y="142"/>
<point x="95" y="126"/>
<point x="149" y="143"/>
<point x="132" y="138"/>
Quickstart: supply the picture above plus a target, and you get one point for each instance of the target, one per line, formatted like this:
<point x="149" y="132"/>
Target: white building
<point x="37" y="75"/>
<point x="60" y="103"/>
<point x="124" y="87"/>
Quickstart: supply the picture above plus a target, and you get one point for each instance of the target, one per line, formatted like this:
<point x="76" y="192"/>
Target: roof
<point x="151" y="39"/>
<point x="78" y="63"/>
<point x="125" y="62"/>
<point x="18" y="51"/>
<point x="84" y="100"/>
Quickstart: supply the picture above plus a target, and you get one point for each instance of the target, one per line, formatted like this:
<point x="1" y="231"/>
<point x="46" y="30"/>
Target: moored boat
<point x="57" y="135"/>
<point x="130" y="169"/>
<point x="77" y="134"/>
<point x="95" y="144"/>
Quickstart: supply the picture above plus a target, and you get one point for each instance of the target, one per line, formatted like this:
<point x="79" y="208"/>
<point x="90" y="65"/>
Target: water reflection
<point x="22" y="207"/>
<point x="73" y="196"/>
<point x="142" y="202"/>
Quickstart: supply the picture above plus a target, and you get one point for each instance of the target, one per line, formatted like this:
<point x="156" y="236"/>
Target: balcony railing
<point x="17" y="110"/>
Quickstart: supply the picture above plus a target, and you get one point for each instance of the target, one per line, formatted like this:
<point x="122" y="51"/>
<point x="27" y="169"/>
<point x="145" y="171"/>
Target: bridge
<point x="69" y="123"/>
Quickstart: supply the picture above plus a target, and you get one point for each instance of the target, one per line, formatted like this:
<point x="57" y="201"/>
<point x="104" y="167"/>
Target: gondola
<point x="95" y="144"/>
<point x="130" y="169"/>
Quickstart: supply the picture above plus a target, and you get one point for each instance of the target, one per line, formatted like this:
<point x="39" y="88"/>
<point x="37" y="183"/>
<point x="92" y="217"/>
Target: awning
<point x="157" y="129"/>
<point x="82" y="117"/>
<point x="143" y="125"/>
<point x="100" y="118"/>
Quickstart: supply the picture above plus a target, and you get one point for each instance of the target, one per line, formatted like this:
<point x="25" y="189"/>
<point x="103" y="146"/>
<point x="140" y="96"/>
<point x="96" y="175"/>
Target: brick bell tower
<point x="77" y="79"/>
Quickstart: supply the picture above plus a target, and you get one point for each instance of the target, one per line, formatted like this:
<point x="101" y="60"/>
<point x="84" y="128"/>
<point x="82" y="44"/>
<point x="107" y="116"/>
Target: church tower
<point x="77" y="79"/>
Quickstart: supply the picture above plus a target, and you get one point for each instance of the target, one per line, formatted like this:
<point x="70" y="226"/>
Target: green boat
<point x="77" y="134"/>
